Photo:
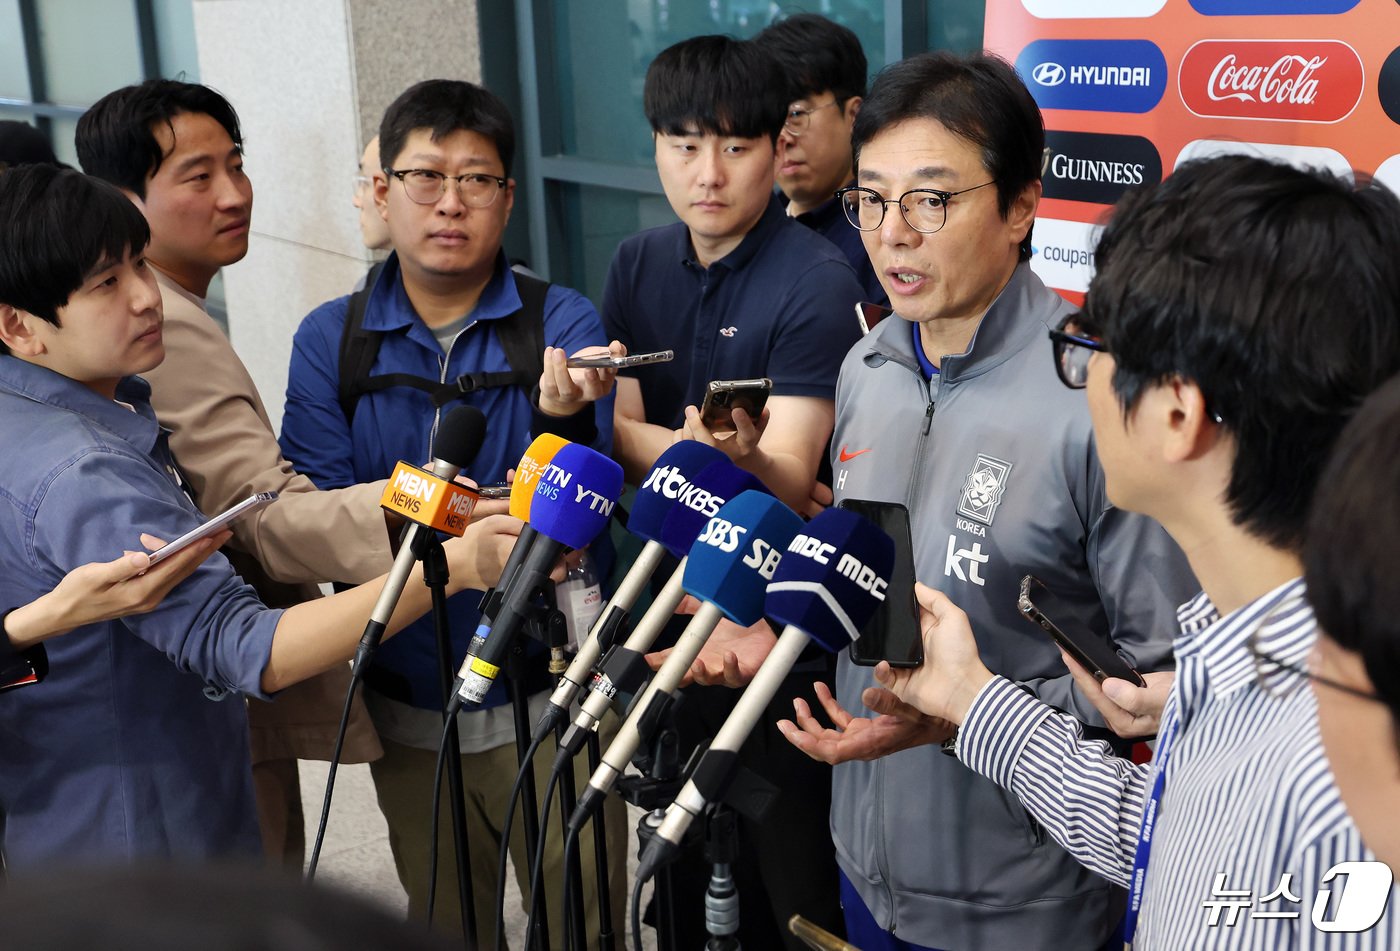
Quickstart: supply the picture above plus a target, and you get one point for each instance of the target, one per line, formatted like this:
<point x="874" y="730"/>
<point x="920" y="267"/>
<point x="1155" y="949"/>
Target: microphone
<point x="537" y="458"/>
<point x="831" y="579"/>
<point x="728" y="569"/>
<point x="430" y="494"/>
<point x="626" y="668"/>
<point x="573" y="500"/>
<point x="659" y="492"/>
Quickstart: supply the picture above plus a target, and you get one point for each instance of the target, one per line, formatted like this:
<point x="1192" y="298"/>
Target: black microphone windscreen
<point x="460" y="435"/>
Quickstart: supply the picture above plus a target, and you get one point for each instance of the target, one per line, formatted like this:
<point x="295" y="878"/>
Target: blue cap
<point x="667" y="483"/>
<point x="736" y="555"/>
<point x="711" y="487"/>
<point x="575" y="495"/>
<point x="834" y="574"/>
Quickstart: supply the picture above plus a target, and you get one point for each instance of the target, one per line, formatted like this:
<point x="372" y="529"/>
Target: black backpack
<point x="521" y="336"/>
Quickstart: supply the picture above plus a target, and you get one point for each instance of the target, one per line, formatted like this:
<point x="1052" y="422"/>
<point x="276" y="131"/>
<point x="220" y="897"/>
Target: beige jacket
<point x="223" y="440"/>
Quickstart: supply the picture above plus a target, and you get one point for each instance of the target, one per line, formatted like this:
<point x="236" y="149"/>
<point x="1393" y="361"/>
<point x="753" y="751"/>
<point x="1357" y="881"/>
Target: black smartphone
<point x="607" y="361"/>
<point x="722" y="397"/>
<point x="25" y="668"/>
<point x="869" y="315"/>
<point x="892" y="634"/>
<point x="1092" y="653"/>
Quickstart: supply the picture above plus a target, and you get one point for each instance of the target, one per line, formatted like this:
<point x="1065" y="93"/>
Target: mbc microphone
<point x="831" y="579"/>
<point x="430" y="500"/>
<point x="728" y="570"/>
<point x="537" y="458"/>
<point x="659" y="492"/>
<point x="626" y="668"/>
<point x="573" y="500"/>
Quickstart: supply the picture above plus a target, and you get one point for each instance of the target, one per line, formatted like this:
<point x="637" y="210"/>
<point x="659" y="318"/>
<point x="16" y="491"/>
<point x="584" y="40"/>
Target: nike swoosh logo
<point x="848" y="456"/>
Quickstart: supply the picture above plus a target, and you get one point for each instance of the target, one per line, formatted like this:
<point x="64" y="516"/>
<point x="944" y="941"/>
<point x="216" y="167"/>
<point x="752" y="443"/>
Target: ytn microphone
<point x="659" y="492"/>
<point x="459" y="438"/>
<point x="573" y="501"/>
<point x="728" y="570"/>
<point x="831" y="579"/>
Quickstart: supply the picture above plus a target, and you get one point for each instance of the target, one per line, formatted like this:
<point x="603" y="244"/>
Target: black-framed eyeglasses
<point x="425" y="186"/>
<point x="798" y="119"/>
<point x="924" y="209"/>
<point x="1074" y="343"/>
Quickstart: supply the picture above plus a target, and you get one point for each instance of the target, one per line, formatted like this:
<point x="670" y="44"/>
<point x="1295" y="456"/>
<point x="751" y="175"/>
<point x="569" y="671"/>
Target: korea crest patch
<point x="983" y="490"/>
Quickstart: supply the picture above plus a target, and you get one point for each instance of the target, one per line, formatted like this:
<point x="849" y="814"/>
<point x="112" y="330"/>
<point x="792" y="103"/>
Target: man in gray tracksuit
<point x="953" y="409"/>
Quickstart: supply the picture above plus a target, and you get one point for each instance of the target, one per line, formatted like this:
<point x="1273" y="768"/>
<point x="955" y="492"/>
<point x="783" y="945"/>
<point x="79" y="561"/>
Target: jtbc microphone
<point x="429" y="500"/>
<point x="698" y="501"/>
<point x="830" y="581"/>
<point x="574" y="498"/>
<point x="728" y="569"/>
<point x="537" y="458"/>
<point x="659" y="492"/>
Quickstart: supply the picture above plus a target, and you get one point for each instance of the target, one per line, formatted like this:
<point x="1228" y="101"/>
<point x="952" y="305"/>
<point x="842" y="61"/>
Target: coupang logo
<point x="1283" y="80"/>
<point x="1094" y="75"/>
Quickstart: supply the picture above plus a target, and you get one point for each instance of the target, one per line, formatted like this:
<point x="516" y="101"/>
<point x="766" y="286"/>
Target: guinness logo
<point x="1088" y="166"/>
<point x="1388" y="86"/>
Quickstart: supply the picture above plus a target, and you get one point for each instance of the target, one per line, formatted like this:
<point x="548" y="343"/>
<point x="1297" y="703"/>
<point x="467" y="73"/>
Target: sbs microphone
<point x="662" y="489"/>
<point x="573" y="500"/>
<point x="833" y="576"/>
<point x="459" y="439"/>
<point x="626" y="668"/>
<point x="728" y="570"/>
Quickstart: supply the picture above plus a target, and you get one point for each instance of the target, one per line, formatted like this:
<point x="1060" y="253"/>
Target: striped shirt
<point x="1250" y="819"/>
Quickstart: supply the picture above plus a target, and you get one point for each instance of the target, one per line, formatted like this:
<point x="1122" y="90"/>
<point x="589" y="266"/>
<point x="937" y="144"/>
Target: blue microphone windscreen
<point x="735" y="557"/>
<point x="712" y="486"/>
<point x="575" y="496"/>
<point x="668" y="483"/>
<point x="834" y="574"/>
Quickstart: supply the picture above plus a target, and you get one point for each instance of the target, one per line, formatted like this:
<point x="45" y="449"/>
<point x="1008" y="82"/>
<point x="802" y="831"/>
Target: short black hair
<point x="816" y="54"/>
<point x="445" y="106"/>
<point x="1276" y="291"/>
<point x="116" y="138"/>
<point x="58" y="225"/>
<point x="1351" y="554"/>
<point x="976" y="96"/>
<point x="22" y="144"/>
<point x="716" y="85"/>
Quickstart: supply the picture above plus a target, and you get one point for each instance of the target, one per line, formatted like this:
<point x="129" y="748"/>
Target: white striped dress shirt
<point x="1248" y="792"/>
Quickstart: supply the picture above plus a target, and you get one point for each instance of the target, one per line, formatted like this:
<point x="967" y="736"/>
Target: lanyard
<point x="1144" y="842"/>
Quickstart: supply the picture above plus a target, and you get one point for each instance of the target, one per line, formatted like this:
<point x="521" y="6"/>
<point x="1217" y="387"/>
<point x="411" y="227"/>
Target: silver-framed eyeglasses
<point x="798" y="119"/>
<point x="426" y="187"/>
<point x="924" y="209"/>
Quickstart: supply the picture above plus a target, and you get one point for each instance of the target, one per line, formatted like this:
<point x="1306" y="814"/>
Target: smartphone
<point x="25" y="668"/>
<point x="724" y="396"/>
<point x="1092" y="653"/>
<point x="216" y="524"/>
<point x="892" y="634"/>
<point x="497" y="490"/>
<point x="607" y="361"/>
<point x="871" y="314"/>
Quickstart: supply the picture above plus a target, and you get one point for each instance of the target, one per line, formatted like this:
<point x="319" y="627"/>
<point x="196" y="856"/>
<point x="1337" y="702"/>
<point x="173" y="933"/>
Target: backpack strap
<point x="520" y="335"/>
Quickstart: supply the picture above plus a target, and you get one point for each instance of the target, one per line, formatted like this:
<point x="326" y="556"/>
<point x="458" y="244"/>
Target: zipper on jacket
<point x="917" y="467"/>
<point x="442" y="379"/>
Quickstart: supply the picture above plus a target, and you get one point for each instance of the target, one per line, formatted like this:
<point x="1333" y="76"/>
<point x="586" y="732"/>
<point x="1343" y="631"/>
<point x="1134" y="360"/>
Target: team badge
<point x="983" y="490"/>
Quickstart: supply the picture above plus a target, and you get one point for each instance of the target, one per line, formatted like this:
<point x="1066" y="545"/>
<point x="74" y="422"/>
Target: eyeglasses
<point x="926" y="213"/>
<point x="798" y="119"/>
<point x="1074" y="343"/>
<point x="361" y="184"/>
<point x="426" y="187"/>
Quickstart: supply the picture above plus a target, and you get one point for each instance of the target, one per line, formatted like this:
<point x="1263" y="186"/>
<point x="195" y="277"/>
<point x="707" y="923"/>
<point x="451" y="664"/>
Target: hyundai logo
<point x="1049" y="74"/>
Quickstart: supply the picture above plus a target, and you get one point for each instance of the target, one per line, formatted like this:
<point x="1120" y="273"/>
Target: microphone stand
<point x="435" y="576"/>
<point x="658" y="757"/>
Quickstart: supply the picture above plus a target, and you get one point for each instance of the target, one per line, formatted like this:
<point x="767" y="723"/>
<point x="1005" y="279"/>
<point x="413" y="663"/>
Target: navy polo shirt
<point x="780" y="305"/>
<point x="829" y="220"/>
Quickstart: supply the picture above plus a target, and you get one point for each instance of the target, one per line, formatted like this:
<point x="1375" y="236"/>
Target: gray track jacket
<point x="995" y="460"/>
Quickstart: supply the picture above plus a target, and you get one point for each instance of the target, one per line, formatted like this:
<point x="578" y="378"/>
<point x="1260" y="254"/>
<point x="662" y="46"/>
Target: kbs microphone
<point x="537" y="458"/>
<point x="429" y="500"/>
<point x="728" y="569"/>
<point x="625" y="669"/>
<point x="659" y="492"/>
<point x="575" y="496"/>
<point x="832" y="577"/>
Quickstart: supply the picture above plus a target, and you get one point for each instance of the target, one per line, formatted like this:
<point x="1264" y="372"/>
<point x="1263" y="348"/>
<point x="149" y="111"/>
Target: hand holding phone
<point x="605" y="361"/>
<point x="215" y="525"/>
<point x="1092" y="653"/>
<point x="893" y="633"/>
<point x="722" y="397"/>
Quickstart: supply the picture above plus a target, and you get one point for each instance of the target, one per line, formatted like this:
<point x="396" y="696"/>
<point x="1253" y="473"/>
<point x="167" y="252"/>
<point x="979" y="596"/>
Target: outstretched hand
<point x="897" y="726"/>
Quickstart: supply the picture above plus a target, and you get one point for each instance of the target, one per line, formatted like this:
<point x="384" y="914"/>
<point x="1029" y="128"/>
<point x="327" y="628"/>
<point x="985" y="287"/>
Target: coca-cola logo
<point x="1284" y="80"/>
